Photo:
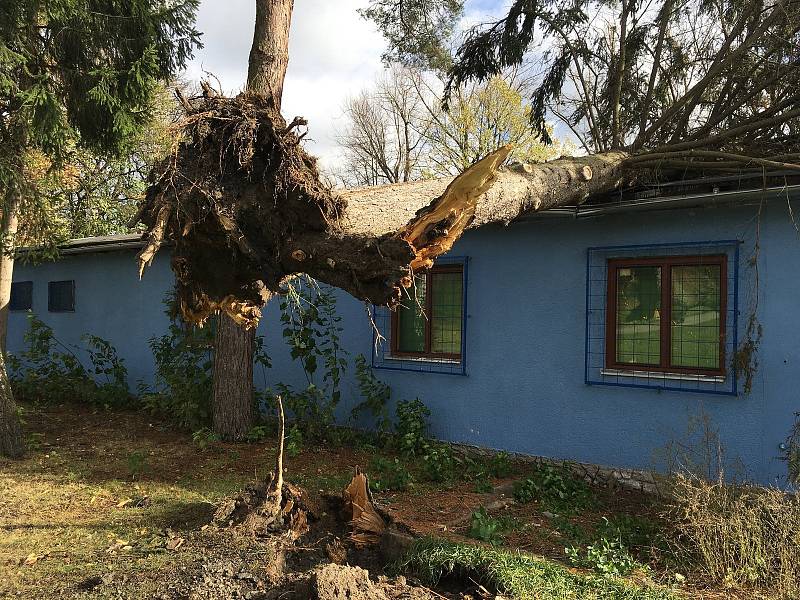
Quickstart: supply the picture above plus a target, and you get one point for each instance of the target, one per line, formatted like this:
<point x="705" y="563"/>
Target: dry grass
<point x="740" y="535"/>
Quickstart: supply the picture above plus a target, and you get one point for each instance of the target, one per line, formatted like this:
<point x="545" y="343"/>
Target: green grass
<point x="520" y="575"/>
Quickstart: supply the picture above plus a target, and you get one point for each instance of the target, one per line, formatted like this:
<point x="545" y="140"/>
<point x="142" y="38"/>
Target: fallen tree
<point x="244" y="206"/>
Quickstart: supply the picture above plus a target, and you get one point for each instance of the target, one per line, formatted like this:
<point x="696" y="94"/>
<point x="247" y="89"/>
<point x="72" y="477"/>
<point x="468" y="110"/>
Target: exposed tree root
<point x="244" y="207"/>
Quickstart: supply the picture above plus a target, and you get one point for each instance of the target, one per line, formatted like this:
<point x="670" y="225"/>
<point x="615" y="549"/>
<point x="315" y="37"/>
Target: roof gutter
<point x="719" y="199"/>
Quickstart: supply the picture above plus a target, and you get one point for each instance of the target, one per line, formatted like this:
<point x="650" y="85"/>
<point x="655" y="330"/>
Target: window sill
<point x="662" y="375"/>
<point x="424" y="359"/>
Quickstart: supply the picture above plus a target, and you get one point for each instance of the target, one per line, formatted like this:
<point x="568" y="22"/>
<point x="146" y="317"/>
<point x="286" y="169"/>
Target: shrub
<point x="48" y="370"/>
<point x="389" y="474"/>
<point x="739" y="534"/>
<point x="556" y="488"/>
<point x="183" y="386"/>
<point x="293" y="444"/>
<point x="499" y="465"/>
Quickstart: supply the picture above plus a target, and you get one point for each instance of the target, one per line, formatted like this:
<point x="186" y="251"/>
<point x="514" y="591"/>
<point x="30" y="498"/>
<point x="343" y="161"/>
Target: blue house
<point x="596" y="333"/>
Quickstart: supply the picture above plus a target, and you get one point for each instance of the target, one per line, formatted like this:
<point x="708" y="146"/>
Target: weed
<point x="483" y="485"/>
<point x="499" y="465"/>
<point x="389" y="474"/>
<point x="607" y="556"/>
<point x="556" y="488"/>
<point x="34" y="441"/>
<point x="313" y="332"/>
<point x="257" y="434"/>
<point x="438" y="463"/>
<point x="738" y="534"/>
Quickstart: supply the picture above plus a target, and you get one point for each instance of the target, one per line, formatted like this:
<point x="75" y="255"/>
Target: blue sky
<point x="333" y="54"/>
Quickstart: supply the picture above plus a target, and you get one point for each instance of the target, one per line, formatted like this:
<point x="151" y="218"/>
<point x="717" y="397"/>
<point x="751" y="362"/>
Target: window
<point x="21" y="296"/>
<point x="429" y="323"/>
<point x="61" y="296"/>
<point x="667" y="314"/>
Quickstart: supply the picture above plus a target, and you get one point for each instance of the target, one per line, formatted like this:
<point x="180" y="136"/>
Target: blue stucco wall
<point x="524" y="386"/>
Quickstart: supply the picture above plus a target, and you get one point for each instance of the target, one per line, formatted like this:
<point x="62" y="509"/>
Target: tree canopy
<point x="697" y="83"/>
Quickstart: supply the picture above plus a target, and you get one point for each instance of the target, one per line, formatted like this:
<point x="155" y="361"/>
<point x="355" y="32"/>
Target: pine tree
<point x="75" y="73"/>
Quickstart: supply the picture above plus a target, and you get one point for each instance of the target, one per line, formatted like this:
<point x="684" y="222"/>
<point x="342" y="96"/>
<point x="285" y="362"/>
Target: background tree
<point x="480" y="119"/>
<point x="384" y="139"/>
<point x="74" y="75"/>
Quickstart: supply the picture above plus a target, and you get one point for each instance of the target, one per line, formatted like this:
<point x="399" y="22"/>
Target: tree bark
<point x="233" y="412"/>
<point x="11" y="442"/>
<point x="233" y="348"/>
<point x="269" y="54"/>
<point x="8" y="233"/>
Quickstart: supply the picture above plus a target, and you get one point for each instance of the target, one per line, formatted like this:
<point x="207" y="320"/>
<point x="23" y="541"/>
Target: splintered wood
<point x="368" y="526"/>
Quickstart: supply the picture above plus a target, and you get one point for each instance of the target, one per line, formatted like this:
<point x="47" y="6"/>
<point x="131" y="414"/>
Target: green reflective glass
<point x="411" y="318"/>
<point x="446" y="296"/>
<point x="695" y="318"/>
<point x="638" y="317"/>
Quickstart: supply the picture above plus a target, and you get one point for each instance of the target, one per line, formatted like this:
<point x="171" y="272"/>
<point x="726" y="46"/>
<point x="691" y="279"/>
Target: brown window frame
<point x="435" y="270"/>
<point x="666" y="263"/>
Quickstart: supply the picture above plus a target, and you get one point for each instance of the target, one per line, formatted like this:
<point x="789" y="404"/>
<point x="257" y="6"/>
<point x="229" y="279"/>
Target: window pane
<point x="639" y="315"/>
<point x="61" y="296"/>
<point x="21" y="295"/>
<point x="447" y="317"/>
<point x="696" y="316"/>
<point x="411" y="318"/>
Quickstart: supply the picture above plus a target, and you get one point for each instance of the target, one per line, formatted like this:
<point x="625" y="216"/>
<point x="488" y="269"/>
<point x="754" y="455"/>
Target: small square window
<point x="61" y="296"/>
<point x="21" y="296"/>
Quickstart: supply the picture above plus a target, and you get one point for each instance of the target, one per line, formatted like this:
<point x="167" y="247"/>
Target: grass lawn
<point x="116" y="496"/>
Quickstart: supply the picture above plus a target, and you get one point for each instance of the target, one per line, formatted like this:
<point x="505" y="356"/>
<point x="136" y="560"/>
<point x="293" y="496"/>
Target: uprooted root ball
<point x="236" y="186"/>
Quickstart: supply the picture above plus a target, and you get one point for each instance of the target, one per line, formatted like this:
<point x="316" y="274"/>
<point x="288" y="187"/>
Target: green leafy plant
<point x="112" y="389"/>
<point x="556" y="488"/>
<point x="137" y="463"/>
<point x="499" y="465"/>
<point x="293" y="444"/>
<point x="259" y="433"/>
<point x="389" y="474"/>
<point x="487" y="528"/>
<point x="438" y="463"/>
<point x="204" y="438"/>
<point x="376" y="395"/>
<point x="48" y="370"/>
<point x="312" y="329"/>
<point x="412" y="427"/>
<point x="607" y="556"/>
<point x="183" y="385"/>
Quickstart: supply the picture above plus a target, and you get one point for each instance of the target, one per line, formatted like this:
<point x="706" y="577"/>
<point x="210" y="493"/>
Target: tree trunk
<point x="233" y="349"/>
<point x="8" y="233"/>
<point x="269" y="54"/>
<point x="233" y="380"/>
<point x="11" y="443"/>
